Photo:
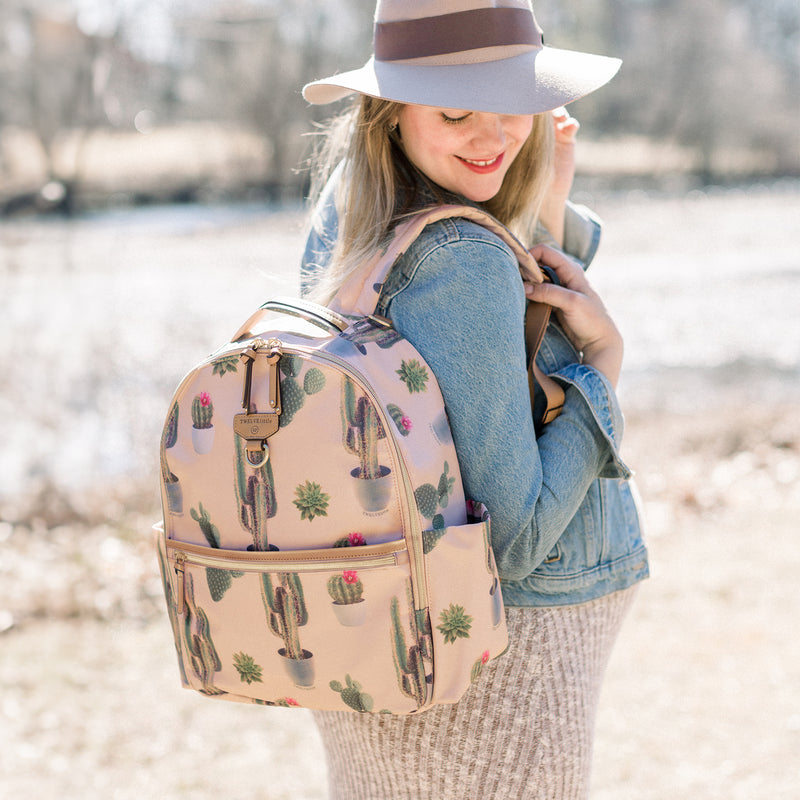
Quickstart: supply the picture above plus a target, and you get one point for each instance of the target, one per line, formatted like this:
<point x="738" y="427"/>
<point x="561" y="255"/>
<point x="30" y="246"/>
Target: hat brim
<point x="530" y="83"/>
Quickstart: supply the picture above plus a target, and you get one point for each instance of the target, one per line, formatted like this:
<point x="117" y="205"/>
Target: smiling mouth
<point x="482" y="166"/>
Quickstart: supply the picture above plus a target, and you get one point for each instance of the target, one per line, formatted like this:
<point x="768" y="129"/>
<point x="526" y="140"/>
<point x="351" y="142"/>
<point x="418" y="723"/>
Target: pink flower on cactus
<point x="205" y="399"/>
<point x="355" y="539"/>
<point x="350" y="576"/>
<point x="484" y="656"/>
<point x="406" y="423"/>
<point x="290" y="701"/>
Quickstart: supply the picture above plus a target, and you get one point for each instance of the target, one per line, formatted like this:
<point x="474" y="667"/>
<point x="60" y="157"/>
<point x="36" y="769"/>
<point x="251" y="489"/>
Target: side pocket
<point x="466" y="606"/>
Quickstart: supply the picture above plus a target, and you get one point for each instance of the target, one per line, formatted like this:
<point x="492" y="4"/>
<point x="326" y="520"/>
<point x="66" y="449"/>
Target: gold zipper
<point x="362" y="557"/>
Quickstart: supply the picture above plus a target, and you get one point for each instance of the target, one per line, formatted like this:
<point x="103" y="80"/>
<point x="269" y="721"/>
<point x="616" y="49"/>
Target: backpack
<point x="316" y="548"/>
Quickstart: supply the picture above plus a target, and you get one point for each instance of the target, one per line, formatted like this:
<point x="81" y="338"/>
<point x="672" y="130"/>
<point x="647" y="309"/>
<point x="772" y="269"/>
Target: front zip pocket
<point x="331" y="628"/>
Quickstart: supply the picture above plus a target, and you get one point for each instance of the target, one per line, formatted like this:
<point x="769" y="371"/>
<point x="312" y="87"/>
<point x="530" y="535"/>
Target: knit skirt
<point x="523" y="731"/>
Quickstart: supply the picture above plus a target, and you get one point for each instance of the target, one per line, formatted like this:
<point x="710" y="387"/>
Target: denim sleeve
<point x="324" y="230"/>
<point x="463" y="311"/>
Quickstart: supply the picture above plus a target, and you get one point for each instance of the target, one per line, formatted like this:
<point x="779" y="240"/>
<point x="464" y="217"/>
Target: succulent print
<point x="247" y="668"/>
<point x="455" y="624"/>
<point x="352" y="695"/>
<point x="311" y="501"/>
<point x="227" y="364"/>
<point x="414" y="375"/>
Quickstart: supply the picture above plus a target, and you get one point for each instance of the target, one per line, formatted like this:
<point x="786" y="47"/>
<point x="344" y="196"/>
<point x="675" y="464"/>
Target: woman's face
<point x="466" y="152"/>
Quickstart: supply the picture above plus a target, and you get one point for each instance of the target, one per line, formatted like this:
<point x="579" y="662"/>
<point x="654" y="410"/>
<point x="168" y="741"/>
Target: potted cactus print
<point x="346" y="591"/>
<point x="497" y="602"/>
<point x="352" y="695"/>
<point x="171" y="484"/>
<point x="362" y="430"/>
<point x="202" y="429"/>
<point x="174" y="492"/>
<point x="440" y="427"/>
<point x="286" y="613"/>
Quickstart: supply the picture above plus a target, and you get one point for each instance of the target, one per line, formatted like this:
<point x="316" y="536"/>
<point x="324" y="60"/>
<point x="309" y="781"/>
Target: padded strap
<point x="359" y="295"/>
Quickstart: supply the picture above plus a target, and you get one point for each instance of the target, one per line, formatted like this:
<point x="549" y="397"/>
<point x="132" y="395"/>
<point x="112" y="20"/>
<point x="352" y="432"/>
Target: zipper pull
<point x="254" y="427"/>
<point x="180" y="592"/>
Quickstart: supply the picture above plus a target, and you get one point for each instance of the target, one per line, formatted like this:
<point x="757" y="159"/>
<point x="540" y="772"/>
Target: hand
<point x="580" y="311"/>
<point x="566" y="131"/>
<point x="554" y="205"/>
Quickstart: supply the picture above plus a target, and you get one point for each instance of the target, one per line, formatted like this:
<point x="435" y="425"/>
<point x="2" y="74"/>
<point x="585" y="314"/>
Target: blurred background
<point x="152" y="195"/>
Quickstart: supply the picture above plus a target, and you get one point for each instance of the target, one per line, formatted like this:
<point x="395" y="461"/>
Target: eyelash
<point x="454" y="120"/>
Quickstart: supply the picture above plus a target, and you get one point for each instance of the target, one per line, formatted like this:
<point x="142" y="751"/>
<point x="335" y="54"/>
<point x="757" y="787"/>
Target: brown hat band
<point x="457" y="32"/>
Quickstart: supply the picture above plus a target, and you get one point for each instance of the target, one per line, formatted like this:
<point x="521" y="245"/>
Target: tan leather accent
<point x="537" y="316"/>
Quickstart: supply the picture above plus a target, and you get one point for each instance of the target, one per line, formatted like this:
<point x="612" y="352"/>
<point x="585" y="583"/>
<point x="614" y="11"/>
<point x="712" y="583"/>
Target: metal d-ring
<point x="265" y="458"/>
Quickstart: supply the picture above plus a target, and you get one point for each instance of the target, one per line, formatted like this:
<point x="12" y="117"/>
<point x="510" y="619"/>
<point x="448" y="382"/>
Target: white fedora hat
<point x="478" y="55"/>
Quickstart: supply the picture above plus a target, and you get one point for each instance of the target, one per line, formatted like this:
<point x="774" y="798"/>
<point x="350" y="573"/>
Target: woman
<point x="455" y="107"/>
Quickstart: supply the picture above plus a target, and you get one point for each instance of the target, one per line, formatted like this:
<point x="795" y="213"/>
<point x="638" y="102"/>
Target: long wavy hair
<point x="379" y="186"/>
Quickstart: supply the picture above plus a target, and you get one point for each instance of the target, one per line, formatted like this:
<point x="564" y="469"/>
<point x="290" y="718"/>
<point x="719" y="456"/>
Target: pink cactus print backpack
<point x="316" y="548"/>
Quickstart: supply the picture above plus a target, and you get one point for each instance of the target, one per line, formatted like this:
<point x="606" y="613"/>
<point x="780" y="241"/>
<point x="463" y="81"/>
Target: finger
<point x="555" y="259"/>
<point x="552" y="295"/>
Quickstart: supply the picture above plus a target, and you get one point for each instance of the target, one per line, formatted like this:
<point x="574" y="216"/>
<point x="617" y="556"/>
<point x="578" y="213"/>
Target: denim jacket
<point x="565" y="525"/>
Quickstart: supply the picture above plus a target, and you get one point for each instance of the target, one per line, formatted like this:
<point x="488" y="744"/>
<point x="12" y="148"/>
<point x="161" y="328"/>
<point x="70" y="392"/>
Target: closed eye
<point x="455" y="120"/>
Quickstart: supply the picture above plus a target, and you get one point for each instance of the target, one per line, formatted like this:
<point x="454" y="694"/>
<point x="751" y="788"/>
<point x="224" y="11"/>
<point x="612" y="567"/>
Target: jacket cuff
<point x="582" y="229"/>
<point x="602" y="405"/>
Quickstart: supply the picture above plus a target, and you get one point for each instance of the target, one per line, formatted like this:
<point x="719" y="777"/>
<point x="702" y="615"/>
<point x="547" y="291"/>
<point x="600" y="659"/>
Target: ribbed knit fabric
<point x="523" y="731"/>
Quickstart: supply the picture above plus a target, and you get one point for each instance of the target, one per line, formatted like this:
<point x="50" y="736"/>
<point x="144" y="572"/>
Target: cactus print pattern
<point x="414" y="375"/>
<point x="352" y="695"/>
<point x="311" y="501"/>
<point x="455" y="624"/>
<point x="247" y="668"/>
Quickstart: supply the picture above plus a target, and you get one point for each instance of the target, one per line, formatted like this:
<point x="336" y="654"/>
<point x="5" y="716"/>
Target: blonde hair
<point x="378" y="185"/>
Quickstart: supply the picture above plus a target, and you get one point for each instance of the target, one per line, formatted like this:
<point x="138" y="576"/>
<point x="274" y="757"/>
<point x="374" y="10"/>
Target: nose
<point x="489" y="132"/>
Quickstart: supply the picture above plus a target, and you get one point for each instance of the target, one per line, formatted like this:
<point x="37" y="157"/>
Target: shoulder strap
<point x="359" y="295"/>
